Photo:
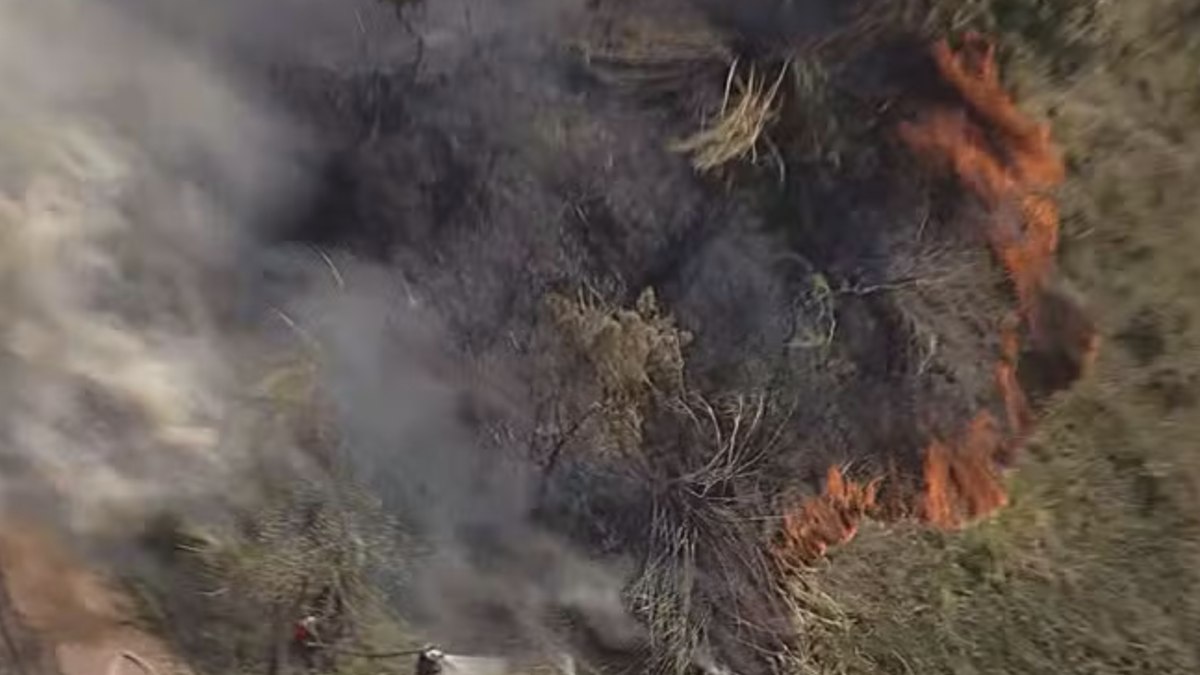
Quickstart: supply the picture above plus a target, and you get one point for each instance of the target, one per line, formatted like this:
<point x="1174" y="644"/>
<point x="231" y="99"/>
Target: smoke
<point x="142" y="179"/>
<point x="410" y="416"/>
<point x="132" y="179"/>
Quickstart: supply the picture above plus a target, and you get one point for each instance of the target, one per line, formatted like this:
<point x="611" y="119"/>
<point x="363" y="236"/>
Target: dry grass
<point x="820" y="621"/>
<point x="655" y="58"/>
<point x="740" y="125"/>
<point x="229" y="591"/>
<point x="704" y="572"/>
<point x="229" y="596"/>
<point x="1092" y="568"/>
<point x="685" y="58"/>
<point x="310" y="551"/>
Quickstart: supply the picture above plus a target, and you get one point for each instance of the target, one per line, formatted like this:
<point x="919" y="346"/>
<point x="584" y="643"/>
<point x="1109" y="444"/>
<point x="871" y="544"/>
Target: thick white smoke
<point x="131" y="176"/>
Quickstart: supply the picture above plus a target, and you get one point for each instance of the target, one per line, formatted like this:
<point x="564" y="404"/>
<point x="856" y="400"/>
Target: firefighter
<point x="305" y="641"/>
<point x="429" y="662"/>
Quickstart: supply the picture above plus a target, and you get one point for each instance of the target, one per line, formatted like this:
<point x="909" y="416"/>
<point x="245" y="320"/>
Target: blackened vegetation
<point x="841" y="306"/>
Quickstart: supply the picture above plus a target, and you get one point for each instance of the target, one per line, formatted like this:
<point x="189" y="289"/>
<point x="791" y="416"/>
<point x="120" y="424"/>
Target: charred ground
<point x="820" y="293"/>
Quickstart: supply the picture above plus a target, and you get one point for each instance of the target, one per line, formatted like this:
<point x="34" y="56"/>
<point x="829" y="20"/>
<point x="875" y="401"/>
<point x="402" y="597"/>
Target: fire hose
<point x="115" y="667"/>
<point x="368" y="655"/>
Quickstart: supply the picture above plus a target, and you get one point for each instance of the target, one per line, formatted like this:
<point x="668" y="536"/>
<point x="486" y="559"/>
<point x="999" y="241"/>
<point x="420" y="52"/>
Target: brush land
<point x="708" y="274"/>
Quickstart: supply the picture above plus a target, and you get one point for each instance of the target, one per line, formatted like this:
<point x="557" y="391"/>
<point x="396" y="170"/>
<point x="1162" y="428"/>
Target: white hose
<point x="114" y="668"/>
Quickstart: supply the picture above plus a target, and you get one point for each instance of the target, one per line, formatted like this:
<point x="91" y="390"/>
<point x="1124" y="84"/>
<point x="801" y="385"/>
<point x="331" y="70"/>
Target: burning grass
<point x="1006" y="167"/>
<point x="829" y="520"/>
<point x="1003" y="157"/>
<point x="1081" y="572"/>
<point x="961" y="480"/>
<point x="1009" y="164"/>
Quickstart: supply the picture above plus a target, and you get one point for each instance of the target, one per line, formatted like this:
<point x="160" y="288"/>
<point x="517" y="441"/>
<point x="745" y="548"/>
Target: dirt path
<point x="58" y="617"/>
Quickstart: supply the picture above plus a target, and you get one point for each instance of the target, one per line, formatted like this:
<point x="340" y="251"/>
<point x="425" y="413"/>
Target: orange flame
<point x="1005" y="159"/>
<point x="1009" y="163"/>
<point x="1016" y="404"/>
<point x="828" y="520"/>
<point x="962" y="482"/>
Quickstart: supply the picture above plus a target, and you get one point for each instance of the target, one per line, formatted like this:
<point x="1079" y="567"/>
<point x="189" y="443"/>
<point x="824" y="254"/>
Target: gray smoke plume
<point x="131" y="181"/>
<point x="488" y="578"/>
<point x="140" y="176"/>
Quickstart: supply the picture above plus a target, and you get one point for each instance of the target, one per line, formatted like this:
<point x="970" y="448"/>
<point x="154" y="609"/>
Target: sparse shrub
<point x="634" y="354"/>
<point x="309" y="550"/>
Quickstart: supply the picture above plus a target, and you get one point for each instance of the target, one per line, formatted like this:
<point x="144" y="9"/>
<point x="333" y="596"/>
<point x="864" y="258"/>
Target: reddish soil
<point x="60" y="617"/>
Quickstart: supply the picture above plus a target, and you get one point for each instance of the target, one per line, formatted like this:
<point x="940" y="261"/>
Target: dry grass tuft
<point x="704" y="569"/>
<point x="819" y="620"/>
<point x="648" y="57"/>
<point x="739" y="127"/>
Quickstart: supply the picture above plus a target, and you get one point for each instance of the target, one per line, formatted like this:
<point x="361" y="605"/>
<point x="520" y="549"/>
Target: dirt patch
<point x="64" y="617"/>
